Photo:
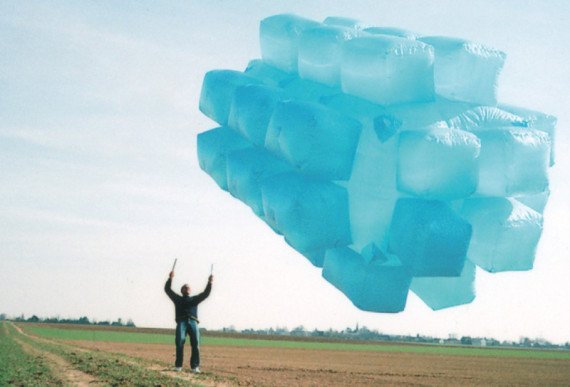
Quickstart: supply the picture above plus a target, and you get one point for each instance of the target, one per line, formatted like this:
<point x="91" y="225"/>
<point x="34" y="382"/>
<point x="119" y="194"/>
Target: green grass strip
<point x="134" y="337"/>
<point x="18" y="368"/>
<point x="99" y="335"/>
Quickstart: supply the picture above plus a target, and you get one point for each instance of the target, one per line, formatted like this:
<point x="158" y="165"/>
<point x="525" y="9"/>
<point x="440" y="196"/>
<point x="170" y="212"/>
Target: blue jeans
<point x="190" y="328"/>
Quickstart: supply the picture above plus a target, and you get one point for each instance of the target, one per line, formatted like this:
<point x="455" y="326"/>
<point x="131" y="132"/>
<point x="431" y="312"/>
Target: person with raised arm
<point x="186" y="309"/>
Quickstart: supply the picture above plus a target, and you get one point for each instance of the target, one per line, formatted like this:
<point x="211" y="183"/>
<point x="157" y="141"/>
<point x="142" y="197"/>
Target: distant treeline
<point x="364" y="333"/>
<point x="56" y="320"/>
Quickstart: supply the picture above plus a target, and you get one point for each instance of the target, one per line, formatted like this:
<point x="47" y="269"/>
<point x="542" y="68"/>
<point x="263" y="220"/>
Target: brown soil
<point x="256" y="366"/>
<point x="313" y="367"/>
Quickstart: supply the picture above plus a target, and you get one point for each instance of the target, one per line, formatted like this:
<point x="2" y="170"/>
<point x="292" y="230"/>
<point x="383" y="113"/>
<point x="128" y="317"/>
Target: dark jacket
<point x="186" y="306"/>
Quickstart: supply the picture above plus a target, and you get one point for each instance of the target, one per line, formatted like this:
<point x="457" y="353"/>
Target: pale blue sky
<point x="100" y="187"/>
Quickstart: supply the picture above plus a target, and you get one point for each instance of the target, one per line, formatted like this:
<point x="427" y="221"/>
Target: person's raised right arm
<point x="168" y="287"/>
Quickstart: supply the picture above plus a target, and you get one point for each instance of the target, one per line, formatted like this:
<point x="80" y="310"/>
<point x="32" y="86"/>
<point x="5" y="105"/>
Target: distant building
<point x="479" y="341"/>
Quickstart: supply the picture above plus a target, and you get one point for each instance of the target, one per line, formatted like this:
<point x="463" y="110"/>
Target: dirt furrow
<point x="60" y="367"/>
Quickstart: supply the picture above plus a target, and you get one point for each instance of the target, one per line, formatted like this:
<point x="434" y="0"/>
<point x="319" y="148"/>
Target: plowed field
<point x="317" y="367"/>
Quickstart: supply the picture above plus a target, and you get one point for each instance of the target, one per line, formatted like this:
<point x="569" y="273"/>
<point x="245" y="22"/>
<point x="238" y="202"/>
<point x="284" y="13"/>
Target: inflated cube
<point x="316" y="140"/>
<point x="513" y="152"/>
<point x="376" y="286"/>
<point x="320" y="51"/>
<point x="537" y="120"/>
<point x="246" y="170"/>
<point x="279" y="39"/>
<point x="505" y="233"/>
<point x="440" y="163"/>
<point x="513" y="161"/>
<point x="251" y="109"/>
<point x="213" y="148"/>
<point x="445" y="292"/>
<point x="312" y="214"/>
<point x="387" y="70"/>
<point x="218" y="90"/>
<point x="429" y="237"/>
<point x="466" y="71"/>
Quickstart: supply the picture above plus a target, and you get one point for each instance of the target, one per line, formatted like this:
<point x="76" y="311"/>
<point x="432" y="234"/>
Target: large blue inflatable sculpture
<point x="382" y="156"/>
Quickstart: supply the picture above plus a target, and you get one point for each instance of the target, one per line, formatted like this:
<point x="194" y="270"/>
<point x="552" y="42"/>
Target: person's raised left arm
<point x="202" y="296"/>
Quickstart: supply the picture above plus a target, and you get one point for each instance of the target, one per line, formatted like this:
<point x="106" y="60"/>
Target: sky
<point x="100" y="187"/>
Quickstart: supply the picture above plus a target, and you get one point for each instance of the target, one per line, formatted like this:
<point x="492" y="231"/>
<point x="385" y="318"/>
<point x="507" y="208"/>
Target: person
<point x="186" y="310"/>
